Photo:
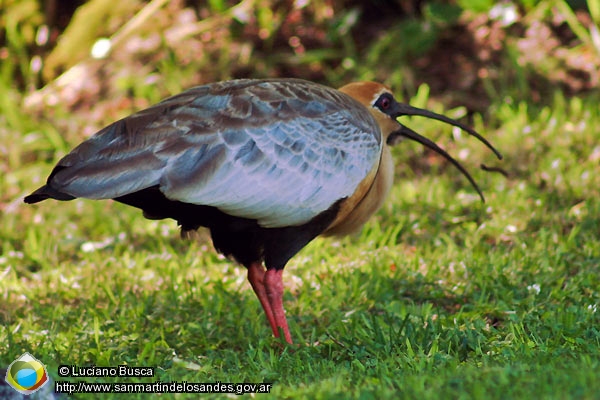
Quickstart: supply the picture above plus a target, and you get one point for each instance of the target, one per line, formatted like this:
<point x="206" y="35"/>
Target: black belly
<point x="241" y="238"/>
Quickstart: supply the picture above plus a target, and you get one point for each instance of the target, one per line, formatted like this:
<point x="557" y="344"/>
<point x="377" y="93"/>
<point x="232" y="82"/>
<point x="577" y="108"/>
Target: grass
<point x="440" y="296"/>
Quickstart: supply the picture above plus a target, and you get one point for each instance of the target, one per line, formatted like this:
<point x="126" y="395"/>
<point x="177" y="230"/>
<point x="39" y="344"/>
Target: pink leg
<point x="268" y="286"/>
<point x="256" y="275"/>
<point x="274" y="287"/>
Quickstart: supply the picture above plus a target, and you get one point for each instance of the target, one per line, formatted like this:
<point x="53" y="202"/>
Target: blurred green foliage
<point x="332" y="41"/>
<point x="19" y="23"/>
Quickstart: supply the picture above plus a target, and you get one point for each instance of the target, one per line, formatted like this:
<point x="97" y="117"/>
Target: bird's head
<point x="380" y="101"/>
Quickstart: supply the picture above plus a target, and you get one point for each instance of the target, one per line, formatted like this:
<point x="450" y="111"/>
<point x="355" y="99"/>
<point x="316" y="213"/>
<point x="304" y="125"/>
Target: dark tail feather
<point x="47" y="192"/>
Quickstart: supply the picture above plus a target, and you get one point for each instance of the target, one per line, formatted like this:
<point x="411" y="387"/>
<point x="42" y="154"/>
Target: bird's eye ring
<point x="385" y="103"/>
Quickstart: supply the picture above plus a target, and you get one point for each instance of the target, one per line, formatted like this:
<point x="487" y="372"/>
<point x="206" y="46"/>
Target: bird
<point x="267" y="165"/>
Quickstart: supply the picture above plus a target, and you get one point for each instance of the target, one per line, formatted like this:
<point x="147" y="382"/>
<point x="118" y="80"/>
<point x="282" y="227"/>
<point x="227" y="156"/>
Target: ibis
<point x="266" y="165"/>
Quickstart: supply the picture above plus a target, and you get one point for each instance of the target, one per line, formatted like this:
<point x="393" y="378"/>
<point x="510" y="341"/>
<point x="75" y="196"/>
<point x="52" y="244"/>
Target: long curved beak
<point x="409" y="133"/>
<point x="402" y="109"/>
<point x="405" y="109"/>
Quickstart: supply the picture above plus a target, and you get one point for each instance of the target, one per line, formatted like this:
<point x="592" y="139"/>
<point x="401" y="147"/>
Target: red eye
<point x="385" y="103"/>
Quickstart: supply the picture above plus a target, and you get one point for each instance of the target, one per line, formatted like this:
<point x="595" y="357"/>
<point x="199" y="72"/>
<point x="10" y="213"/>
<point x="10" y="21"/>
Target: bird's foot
<point x="268" y="286"/>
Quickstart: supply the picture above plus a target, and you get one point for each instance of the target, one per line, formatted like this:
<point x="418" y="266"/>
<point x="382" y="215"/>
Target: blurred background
<point x="99" y="60"/>
<point x="469" y="52"/>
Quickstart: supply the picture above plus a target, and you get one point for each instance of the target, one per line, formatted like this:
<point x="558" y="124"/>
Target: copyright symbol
<point x="63" y="370"/>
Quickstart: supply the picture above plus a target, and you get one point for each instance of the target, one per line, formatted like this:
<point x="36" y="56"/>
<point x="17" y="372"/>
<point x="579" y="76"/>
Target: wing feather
<point x="276" y="151"/>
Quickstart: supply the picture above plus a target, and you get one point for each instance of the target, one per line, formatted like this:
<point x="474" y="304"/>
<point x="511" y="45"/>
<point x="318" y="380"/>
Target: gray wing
<point x="276" y="151"/>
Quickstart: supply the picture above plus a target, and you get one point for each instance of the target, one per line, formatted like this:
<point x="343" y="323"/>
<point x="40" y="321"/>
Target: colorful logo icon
<point x="26" y="374"/>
